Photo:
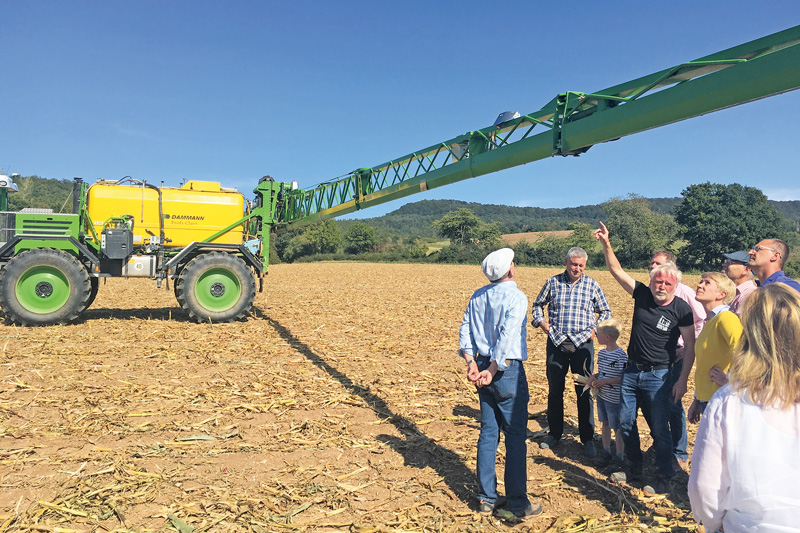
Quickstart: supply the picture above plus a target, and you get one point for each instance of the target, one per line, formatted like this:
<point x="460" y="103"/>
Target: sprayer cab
<point x="7" y="185"/>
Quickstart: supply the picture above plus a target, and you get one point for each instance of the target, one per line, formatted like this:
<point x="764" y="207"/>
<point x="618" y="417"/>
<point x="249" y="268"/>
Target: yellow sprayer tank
<point x="192" y="212"/>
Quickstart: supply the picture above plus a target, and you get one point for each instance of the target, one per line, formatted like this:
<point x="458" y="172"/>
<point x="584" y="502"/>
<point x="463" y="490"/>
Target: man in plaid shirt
<point x="575" y="304"/>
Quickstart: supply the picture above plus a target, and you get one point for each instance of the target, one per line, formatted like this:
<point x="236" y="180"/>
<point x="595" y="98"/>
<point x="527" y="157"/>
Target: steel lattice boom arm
<point x="569" y="124"/>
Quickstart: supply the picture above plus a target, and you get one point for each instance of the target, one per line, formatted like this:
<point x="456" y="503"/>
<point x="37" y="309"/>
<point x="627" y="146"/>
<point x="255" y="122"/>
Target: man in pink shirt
<point x="677" y="419"/>
<point x="737" y="269"/>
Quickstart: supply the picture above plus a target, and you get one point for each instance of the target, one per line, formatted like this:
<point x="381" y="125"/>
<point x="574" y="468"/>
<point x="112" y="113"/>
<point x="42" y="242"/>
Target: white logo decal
<point x="663" y="324"/>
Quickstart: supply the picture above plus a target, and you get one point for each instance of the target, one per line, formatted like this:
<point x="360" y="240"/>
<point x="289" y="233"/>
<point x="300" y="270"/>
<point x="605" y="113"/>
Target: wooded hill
<point x="411" y="219"/>
<point x="416" y="218"/>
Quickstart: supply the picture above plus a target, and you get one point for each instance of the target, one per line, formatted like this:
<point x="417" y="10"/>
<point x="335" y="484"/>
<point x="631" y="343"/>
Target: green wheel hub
<point x="218" y="289"/>
<point x="43" y="289"/>
<point x="215" y="287"/>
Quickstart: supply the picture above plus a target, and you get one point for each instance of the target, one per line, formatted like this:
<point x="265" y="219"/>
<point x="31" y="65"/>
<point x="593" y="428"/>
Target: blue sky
<point x="308" y="91"/>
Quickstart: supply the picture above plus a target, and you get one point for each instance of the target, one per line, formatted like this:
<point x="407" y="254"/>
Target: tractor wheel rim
<point x="218" y="289"/>
<point x="43" y="289"/>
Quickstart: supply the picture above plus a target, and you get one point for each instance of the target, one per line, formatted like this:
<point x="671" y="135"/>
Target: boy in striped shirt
<point x="610" y="364"/>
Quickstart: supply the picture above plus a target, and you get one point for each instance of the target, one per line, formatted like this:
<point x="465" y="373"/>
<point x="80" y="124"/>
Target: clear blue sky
<point x="232" y="90"/>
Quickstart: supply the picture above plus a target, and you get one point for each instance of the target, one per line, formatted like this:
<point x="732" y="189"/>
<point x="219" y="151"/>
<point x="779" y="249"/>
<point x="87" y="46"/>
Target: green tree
<point x="471" y="254"/>
<point x="297" y="246"/>
<point x="583" y="236"/>
<point x="636" y="230"/>
<point x="550" y="251"/>
<point x="722" y="218"/>
<point x="792" y="266"/>
<point x="416" y="248"/>
<point x="37" y="192"/>
<point x="318" y="238"/>
<point x="360" y="238"/>
<point x="324" y="237"/>
<point x="488" y="235"/>
<point x="464" y="227"/>
<point x="282" y="241"/>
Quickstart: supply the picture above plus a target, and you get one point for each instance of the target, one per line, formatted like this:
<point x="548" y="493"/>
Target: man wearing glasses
<point x="767" y="259"/>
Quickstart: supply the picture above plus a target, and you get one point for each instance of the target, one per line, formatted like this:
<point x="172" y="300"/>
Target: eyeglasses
<point x="758" y="248"/>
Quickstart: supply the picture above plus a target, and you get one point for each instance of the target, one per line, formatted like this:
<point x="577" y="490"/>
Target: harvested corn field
<point x="340" y="405"/>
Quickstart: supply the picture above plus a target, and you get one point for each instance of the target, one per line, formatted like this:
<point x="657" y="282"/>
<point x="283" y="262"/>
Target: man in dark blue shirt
<point x="767" y="259"/>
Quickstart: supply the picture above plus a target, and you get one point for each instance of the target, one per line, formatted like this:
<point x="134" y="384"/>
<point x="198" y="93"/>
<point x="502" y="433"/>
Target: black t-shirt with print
<point x="656" y="328"/>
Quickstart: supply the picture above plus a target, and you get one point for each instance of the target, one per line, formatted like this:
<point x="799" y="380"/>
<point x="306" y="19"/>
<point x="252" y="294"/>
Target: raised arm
<point x="622" y="277"/>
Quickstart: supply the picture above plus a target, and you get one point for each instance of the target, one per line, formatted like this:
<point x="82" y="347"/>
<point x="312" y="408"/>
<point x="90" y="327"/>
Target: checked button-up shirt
<point x="573" y="309"/>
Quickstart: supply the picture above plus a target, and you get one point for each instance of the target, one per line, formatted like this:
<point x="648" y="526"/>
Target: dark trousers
<point x="558" y="363"/>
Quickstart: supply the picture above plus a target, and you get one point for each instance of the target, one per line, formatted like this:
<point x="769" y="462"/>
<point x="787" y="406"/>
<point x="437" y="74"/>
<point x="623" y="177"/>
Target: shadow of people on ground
<point x="467" y="411"/>
<point x="592" y="480"/>
<point x="417" y="449"/>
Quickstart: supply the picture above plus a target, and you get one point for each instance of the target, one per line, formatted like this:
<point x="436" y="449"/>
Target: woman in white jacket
<point x="745" y="472"/>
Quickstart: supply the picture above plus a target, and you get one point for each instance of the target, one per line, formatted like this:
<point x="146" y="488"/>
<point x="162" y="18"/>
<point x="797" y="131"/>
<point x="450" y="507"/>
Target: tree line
<point x="711" y="219"/>
<point x="708" y="220"/>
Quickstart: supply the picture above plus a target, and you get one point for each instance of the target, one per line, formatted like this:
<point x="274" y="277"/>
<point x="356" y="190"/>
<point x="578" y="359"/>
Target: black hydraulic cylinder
<point x="76" y="195"/>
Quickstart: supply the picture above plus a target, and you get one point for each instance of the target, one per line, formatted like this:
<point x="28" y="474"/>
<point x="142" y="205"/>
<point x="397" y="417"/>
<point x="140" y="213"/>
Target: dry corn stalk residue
<point x="339" y="405"/>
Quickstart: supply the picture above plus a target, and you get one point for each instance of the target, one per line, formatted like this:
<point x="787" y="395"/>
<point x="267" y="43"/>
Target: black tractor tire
<point x="175" y="283"/>
<point x="43" y="287"/>
<point x="216" y="287"/>
<point x="95" y="285"/>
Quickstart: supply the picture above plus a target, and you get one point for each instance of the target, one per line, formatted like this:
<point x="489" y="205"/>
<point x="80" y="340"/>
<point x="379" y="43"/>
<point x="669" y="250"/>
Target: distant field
<point x="436" y="246"/>
<point x="534" y="236"/>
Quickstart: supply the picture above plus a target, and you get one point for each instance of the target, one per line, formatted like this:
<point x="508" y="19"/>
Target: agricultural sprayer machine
<point x="212" y="245"/>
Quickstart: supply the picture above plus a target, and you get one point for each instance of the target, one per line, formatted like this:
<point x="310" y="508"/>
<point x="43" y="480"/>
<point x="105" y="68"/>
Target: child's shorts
<point x="608" y="412"/>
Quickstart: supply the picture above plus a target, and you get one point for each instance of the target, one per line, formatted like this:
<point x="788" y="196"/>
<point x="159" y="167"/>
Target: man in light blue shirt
<point x="492" y="340"/>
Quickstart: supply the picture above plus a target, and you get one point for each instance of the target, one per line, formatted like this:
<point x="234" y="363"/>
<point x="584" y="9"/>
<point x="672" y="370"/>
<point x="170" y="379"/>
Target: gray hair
<point x="577" y="251"/>
<point x="669" y="256"/>
<point x="668" y="269"/>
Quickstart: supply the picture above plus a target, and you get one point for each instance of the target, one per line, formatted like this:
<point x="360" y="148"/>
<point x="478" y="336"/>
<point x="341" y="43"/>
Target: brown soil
<point x="339" y="405"/>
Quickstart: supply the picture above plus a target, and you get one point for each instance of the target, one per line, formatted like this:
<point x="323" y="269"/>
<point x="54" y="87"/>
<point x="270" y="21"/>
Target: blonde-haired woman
<point x="746" y="465"/>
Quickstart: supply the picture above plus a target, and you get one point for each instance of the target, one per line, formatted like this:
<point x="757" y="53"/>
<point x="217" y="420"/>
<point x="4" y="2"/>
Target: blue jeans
<point x="608" y="413"/>
<point x="504" y="406"/>
<point x="653" y="392"/>
<point x="677" y="418"/>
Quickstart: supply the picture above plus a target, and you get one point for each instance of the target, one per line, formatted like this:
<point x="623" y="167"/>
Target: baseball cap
<point x="740" y="257"/>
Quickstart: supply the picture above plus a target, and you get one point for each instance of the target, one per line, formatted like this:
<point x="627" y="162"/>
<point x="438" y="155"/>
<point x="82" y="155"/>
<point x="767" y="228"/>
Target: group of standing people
<point x="672" y="326"/>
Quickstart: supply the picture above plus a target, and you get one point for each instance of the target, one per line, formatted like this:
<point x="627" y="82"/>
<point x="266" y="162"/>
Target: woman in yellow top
<point x="745" y="470"/>
<point x="714" y="346"/>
